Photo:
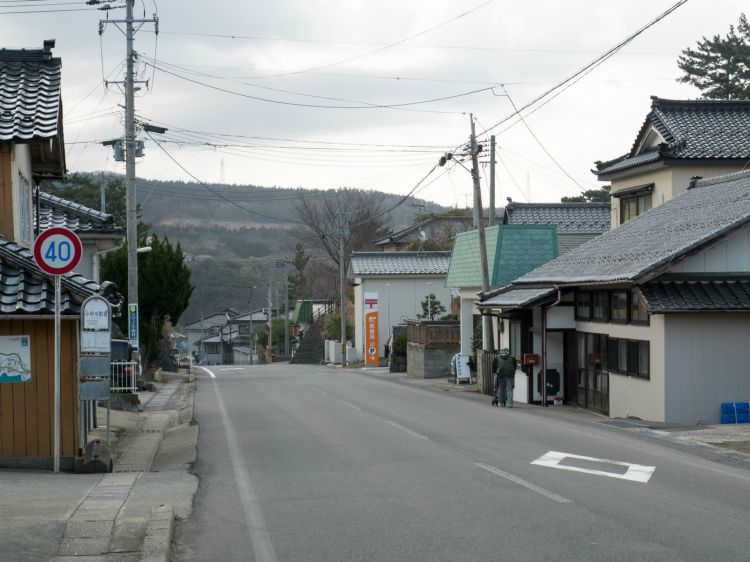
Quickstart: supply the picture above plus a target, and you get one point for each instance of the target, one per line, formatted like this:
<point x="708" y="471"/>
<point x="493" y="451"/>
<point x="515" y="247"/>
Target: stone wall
<point x="429" y="363"/>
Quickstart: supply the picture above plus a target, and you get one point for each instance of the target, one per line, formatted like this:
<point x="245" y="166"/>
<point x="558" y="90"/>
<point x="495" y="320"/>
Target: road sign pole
<point x="57" y="375"/>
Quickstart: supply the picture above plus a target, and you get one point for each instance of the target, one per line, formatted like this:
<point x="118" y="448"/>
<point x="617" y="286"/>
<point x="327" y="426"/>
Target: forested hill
<point x="169" y="202"/>
<point x="232" y="234"/>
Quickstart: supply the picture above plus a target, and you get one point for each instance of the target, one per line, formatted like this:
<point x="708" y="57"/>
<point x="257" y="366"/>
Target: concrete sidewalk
<point x="127" y="515"/>
<point x="721" y="443"/>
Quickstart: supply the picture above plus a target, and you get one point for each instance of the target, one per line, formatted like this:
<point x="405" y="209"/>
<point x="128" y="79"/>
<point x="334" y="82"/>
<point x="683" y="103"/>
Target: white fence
<point x="125" y="375"/>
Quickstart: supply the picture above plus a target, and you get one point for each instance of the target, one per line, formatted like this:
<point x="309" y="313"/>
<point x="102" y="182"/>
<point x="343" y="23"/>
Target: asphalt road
<point x="302" y="463"/>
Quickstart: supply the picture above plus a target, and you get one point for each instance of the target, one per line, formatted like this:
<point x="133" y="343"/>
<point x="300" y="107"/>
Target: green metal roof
<point x="512" y="251"/>
<point x="303" y="312"/>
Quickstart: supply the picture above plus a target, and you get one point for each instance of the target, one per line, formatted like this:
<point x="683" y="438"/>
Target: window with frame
<point x="631" y="207"/>
<point x="583" y="306"/>
<point x="638" y="313"/>
<point x="618" y="306"/>
<point x="599" y="306"/>
<point x="629" y="357"/>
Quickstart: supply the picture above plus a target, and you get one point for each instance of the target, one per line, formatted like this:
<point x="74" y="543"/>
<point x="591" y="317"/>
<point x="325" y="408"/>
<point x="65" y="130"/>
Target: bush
<point x="399" y="344"/>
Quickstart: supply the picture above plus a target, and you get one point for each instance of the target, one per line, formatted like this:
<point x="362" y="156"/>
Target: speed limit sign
<point x="57" y="251"/>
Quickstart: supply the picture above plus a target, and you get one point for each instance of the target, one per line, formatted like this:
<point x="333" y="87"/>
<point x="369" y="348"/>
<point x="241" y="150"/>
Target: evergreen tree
<point x="164" y="289"/>
<point x="600" y="195"/>
<point x="297" y="280"/>
<point x="720" y="66"/>
<point x="432" y="308"/>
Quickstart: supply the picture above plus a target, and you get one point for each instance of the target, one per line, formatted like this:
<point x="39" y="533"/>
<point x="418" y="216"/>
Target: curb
<point x="157" y="546"/>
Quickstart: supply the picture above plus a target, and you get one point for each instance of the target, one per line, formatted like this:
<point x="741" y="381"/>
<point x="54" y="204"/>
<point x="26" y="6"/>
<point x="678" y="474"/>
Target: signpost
<point x="133" y="325"/>
<point x="57" y="251"/>
<point x="371" y="329"/>
<point x="95" y="366"/>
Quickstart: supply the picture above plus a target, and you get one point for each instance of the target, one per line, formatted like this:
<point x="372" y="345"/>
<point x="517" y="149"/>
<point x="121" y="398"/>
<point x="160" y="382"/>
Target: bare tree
<point x="363" y="211"/>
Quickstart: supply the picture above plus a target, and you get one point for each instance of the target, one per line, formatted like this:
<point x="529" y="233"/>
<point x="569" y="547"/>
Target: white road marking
<point x="407" y="430"/>
<point x="256" y="524"/>
<point x="522" y="482"/>
<point x="323" y="392"/>
<point x="635" y="472"/>
<point x="228" y="369"/>
<point x="210" y="373"/>
<point x="352" y="406"/>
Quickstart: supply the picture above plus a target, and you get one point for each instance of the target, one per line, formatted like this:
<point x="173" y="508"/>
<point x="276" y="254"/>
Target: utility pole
<point x="130" y="148"/>
<point x="103" y="199"/>
<point x="342" y="303"/>
<point x="486" y="319"/>
<point x="285" y="264"/>
<point x="270" y="325"/>
<point x="492" y="181"/>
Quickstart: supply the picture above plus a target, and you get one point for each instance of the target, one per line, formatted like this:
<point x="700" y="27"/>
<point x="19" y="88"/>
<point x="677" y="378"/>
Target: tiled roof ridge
<point x="77" y="208"/>
<point x="561" y="204"/>
<point x="723" y="178"/>
<point x="415" y="253"/>
<point x="657" y="102"/>
<point x="43" y="54"/>
<point x="24" y="258"/>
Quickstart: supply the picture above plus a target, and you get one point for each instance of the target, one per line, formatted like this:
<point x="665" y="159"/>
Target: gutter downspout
<point x="544" y="344"/>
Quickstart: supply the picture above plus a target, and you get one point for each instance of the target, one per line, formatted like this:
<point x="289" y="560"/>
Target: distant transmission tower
<point x="221" y="172"/>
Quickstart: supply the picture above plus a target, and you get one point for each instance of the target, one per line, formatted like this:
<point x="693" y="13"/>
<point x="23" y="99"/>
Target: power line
<point x="590" y="66"/>
<point x="385" y="47"/>
<point x="539" y="142"/>
<point x="212" y="190"/>
<point x="411" y="46"/>
<point x="403" y="106"/>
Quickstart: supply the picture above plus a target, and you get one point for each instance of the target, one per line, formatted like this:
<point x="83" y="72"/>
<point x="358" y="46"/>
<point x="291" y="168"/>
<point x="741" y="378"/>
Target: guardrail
<point x="125" y="375"/>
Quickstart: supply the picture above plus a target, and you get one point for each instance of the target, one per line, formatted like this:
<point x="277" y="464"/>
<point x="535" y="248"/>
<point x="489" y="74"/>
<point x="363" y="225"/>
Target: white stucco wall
<point x="633" y="396"/>
<point x="399" y="300"/>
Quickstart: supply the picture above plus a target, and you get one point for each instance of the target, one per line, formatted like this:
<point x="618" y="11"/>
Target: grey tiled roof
<point x="399" y="263"/>
<point x="24" y="289"/>
<point x="570" y="218"/>
<point x="55" y="211"/>
<point x="652" y="241"/>
<point x="692" y="129"/>
<point x="29" y="94"/>
<point x="516" y="298"/>
<point x="688" y="296"/>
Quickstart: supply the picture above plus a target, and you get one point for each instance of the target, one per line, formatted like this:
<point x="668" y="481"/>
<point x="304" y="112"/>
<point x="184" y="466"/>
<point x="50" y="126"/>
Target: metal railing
<point x="125" y="375"/>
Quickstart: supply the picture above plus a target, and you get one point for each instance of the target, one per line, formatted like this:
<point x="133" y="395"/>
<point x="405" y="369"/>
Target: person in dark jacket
<point x="505" y="373"/>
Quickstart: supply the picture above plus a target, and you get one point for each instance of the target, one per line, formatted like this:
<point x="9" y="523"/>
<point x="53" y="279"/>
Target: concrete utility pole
<point x="342" y="303"/>
<point x="130" y="149"/>
<point x="270" y="326"/>
<point x="492" y="181"/>
<point x="474" y="150"/>
<point x="285" y="264"/>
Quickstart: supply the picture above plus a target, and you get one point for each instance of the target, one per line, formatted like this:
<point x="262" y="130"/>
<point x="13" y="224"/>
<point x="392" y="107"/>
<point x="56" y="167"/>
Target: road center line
<point x="352" y="406"/>
<point x="522" y="482"/>
<point x="256" y="524"/>
<point x="407" y="430"/>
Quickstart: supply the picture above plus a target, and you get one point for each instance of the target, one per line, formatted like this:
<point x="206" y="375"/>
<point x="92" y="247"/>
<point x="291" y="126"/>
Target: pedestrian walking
<point x="505" y="373"/>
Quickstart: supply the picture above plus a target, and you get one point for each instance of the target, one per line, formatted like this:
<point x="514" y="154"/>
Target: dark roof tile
<point x="569" y="218"/>
<point x="694" y="296"/>
<point x="57" y="212"/>
<point x="365" y="264"/>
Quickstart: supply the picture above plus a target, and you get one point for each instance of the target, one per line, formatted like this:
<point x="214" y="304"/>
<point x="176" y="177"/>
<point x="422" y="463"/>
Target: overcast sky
<point x="205" y="83"/>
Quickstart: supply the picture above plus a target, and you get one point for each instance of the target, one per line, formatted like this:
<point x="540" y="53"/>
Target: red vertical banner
<point x="371" y="329"/>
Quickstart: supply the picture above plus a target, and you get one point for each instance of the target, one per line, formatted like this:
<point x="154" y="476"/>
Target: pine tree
<point x="297" y="280"/>
<point x="432" y="308"/>
<point x="720" y="67"/>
